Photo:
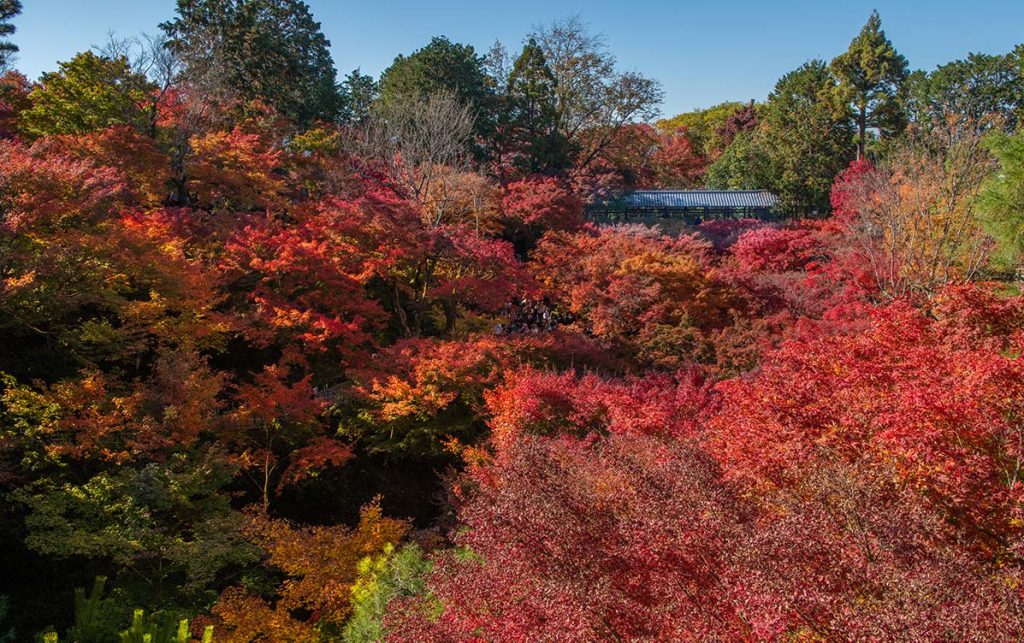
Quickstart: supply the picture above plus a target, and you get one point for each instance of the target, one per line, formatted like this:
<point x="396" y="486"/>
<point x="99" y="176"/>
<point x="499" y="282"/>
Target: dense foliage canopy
<point x="287" y="359"/>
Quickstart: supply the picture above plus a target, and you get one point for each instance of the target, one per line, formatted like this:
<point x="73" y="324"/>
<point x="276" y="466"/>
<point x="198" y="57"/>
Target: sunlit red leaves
<point x="305" y="279"/>
<point x="775" y="249"/>
<point x="905" y="392"/>
<point x="418" y="394"/>
<point x="845" y="189"/>
<point x="145" y="167"/>
<point x="319" y="453"/>
<point x="599" y="515"/>
<point x="848" y="552"/>
<point x="585" y="539"/>
<point x="549" y="403"/>
<point x="275" y="395"/>
<point x="544" y="203"/>
<point x="44" y="190"/>
<point x="479" y="272"/>
<point x="155" y="251"/>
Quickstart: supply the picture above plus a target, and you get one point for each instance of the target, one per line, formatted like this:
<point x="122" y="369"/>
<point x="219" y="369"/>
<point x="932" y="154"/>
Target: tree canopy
<point x="286" y="359"/>
<point x="8" y="10"/>
<point x="871" y="76"/>
<point x="267" y="50"/>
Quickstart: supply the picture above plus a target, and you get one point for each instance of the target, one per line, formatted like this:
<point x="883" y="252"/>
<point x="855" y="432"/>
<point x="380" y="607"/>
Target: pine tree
<point x="267" y="50"/>
<point x="533" y="113"/>
<point x="8" y="9"/>
<point x="871" y="76"/>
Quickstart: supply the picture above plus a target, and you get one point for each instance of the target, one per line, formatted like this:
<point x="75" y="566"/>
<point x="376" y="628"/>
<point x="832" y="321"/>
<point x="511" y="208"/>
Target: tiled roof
<point x="680" y="199"/>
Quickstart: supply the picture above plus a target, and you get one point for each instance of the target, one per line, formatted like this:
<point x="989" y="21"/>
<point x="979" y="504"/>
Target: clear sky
<point x="702" y="52"/>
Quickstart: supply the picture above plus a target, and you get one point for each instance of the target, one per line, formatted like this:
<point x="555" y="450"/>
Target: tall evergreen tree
<point x="808" y="137"/>
<point x="871" y="76"/>
<point x="267" y="50"/>
<point x="360" y="91"/>
<point x="532" y="116"/>
<point x="977" y="86"/>
<point x="442" y="66"/>
<point x="1002" y="201"/>
<point x="8" y="9"/>
<point x="802" y="143"/>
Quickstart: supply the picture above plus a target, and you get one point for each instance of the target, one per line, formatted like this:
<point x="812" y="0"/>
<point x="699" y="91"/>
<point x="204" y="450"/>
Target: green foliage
<point x="391" y="575"/>
<point x="360" y="92"/>
<point x="801" y="146"/>
<point x="702" y="126"/>
<point x="532" y="114"/>
<point x="168" y="521"/>
<point x="441" y="66"/>
<point x="8" y="10"/>
<point x="160" y="630"/>
<point x="808" y="138"/>
<point x="871" y="76"/>
<point x="744" y="165"/>
<point x="88" y="92"/>
<point x="977" y="86"/>
<point x="6" y="636"/>
<point x="1001" y="202"/>
<point x="266" y="50"/>
<point x="98" y="620"/>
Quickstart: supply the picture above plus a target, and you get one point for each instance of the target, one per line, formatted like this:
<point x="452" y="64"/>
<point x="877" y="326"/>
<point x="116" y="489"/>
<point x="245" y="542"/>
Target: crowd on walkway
<point x="530" y="316"/>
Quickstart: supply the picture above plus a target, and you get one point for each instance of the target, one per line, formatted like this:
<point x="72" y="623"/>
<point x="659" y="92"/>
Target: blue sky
<point x="702" y="52"/>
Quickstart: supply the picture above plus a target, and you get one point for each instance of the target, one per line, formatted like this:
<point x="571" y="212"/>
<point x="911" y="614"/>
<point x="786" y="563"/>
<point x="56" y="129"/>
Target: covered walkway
<point x="692" y="206"/>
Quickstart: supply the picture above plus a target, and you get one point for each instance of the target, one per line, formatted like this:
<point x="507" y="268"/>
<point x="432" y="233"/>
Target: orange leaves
<point x="97" y="418"/>
<point x="320" y="566"/>
<point x="653" y="293"/>
<point x="423" y="377"/>
<point x="235" y="170"/>
<point x="242" y="618"/>
<point x="913" y="219"/>
<point x="146" y="168"/>
<point x="463" y="199"/>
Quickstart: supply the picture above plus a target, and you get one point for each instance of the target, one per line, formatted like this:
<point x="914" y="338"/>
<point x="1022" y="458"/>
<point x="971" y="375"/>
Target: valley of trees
<point x="294" y="355"/>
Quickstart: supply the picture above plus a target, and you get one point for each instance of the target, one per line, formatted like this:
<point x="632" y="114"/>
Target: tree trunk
<point x="862" y="126"/>
<point x="400" y="312"/>
<point x="451" y="316"/>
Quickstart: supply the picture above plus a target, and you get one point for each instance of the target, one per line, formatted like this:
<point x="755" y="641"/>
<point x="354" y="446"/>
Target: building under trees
<point x="691" y="206"/>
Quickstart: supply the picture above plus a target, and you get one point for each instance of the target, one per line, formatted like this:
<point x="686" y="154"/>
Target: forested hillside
<point x="292" y="357"/>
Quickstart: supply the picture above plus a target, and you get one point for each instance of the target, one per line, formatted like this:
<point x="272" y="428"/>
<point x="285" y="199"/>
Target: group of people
<point x="530" y="316"/>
